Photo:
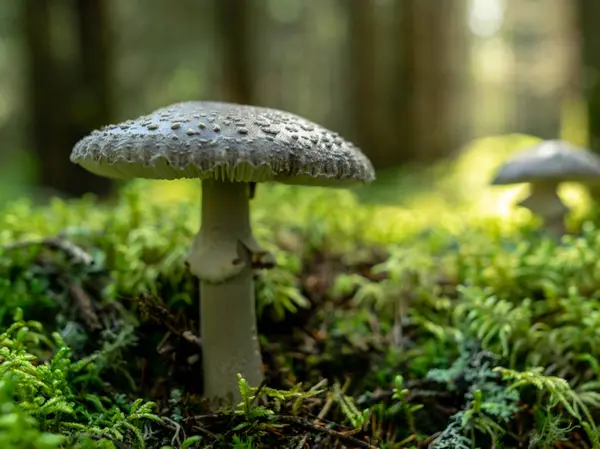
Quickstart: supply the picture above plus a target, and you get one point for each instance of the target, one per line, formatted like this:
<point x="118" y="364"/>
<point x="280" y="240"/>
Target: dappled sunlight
<point x="172" y="191"/>
<point x="470" y="174"/>
<point x="574" y="121"/>
<point x="449" y="195"/>
<point x="478" y="160"/>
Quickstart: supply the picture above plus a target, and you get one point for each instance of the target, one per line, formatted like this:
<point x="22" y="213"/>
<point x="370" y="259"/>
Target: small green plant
<point x="278" y="289"/>
<point x="401" y="395"/>
<point x="18" y="429"/>
<point x="444" y="297"/>
<point x="557" y="392"/>
<point x="356" y="417"/>
<point x="44" y="391"/>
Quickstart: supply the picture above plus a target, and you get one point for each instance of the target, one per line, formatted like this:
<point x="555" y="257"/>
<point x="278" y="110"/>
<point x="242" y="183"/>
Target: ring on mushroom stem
<point x="545" y="166"/>
<point x="229" y="147"/>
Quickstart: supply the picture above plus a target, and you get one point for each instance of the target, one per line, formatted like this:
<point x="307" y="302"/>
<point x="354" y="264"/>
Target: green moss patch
<point x="380" y="327"/>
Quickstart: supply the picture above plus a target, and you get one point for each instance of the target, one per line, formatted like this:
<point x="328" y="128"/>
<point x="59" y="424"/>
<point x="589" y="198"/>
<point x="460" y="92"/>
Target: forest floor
<point x="381" y="326"/>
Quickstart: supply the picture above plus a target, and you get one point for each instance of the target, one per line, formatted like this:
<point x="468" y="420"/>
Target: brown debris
<point x="305" y="424"/>
<point x="159" y="314"/>
<point x="77" y="254"/>
<point x="85" y="307"/>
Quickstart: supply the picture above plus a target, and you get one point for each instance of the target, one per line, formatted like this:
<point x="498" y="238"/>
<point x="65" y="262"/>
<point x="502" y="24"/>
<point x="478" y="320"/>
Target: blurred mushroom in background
<point x="545" y="166"/>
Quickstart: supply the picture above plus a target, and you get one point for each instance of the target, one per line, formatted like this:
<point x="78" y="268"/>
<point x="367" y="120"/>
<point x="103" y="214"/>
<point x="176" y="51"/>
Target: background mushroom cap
<point x="226" y="141"/>
<point x="551" y="161"/>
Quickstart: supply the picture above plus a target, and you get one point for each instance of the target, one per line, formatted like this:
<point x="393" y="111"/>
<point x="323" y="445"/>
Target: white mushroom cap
<point x="224" y="141"/>
<point x="550" y="161"/>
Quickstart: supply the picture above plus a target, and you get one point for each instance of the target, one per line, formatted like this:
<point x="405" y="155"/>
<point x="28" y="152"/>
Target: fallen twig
<point x="85" y="307"/>
<point x="159" y="314"/>
<point x="173" y="425"/>
<point x="307" y="425"/>
<point x="77" y="254"/>
<point x="194" y="339"/>
<point x="320" y="417"/>
<point x="425" y="443"/>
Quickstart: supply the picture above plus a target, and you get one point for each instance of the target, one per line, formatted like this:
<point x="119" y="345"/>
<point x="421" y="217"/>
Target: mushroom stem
<point x="543" y="200"/>
<point x="221" y="257"/>
<point x="556" y="226"/>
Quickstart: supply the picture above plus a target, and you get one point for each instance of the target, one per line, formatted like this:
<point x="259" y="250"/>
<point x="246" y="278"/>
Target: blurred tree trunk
<point x="66" y="100"/>
<point x="429" y="96"/>
<point x="46" y="102"/>
<point x="234" y="20"/>
<point x="406" y="80"/>
<point x="362" y="76"/>
<point x="589" y="12"/>
<point x="420" y="113"/>
<point x="542" y="55"/>
<point x="92" y="105"/>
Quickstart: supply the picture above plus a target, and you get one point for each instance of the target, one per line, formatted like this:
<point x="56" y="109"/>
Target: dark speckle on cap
<point x="242" y="143"/>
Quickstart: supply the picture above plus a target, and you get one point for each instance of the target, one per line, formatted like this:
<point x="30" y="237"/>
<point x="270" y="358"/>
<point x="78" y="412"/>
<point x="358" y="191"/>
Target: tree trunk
<point x="365" y="107"/>
<point x="234" y="25"/>
<point x="91" y="105"/>
<point x="589" y="11"/>
<point x="543" y="63"/>
<point x="430" y="100"/>
<point x="45" y="104"/>
<point x="95" y="106"/>
<point x="404" y="86"/>
<point x="65" y="105"/>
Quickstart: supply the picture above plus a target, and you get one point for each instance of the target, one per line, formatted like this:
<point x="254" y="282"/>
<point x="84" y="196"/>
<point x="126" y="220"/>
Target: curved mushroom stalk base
<point x="544" y="201"/>
<point x="556" y="226"/>
<point x="229" y="337"/>
<point x="221" y="257"/>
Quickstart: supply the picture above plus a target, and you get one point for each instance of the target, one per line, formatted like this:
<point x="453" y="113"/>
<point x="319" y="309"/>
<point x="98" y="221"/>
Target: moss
<point x="380" y="327"/>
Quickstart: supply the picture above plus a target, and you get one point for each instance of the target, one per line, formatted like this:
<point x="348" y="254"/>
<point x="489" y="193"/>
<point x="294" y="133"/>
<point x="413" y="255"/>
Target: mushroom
<point x="545" y="166"/>
<point x="230" y="147"/>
